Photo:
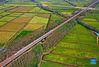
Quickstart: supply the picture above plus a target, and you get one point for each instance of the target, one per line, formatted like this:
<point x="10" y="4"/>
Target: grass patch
<point x="1" y="45"/>
<point x="22" y="34"/>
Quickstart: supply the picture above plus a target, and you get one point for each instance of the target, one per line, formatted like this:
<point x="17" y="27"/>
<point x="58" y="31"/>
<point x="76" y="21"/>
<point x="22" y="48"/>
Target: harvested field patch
<point x="12" y="27"/>
<point x="21" y="9"/>
<point x="5" y="36"/>
<point x="28" y="15"/>
<point x="43" y="15"/>
<point x="22" y="19"/>
<point x="16" y="24"/>
<point x="44" y="11"/>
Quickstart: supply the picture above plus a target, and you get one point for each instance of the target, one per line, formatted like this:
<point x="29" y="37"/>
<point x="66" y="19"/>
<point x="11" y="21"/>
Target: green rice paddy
<point x="75" y="49"/>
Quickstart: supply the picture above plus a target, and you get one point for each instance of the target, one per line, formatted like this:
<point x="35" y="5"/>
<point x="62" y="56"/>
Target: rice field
<point x="92" y="19"/>
<point x="74" y="49"/>
<point x="14" y="22"/>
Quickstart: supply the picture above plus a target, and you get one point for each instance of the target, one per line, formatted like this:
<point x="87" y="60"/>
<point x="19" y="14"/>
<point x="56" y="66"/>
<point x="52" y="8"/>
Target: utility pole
<point x="97" y="34"/>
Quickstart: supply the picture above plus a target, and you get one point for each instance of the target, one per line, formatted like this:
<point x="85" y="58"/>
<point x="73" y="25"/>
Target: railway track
<point x="79" y="22"/>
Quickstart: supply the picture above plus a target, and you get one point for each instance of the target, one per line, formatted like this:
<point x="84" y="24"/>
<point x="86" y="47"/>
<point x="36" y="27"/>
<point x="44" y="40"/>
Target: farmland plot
<point x="74" y="49"/>
<point x="21" y="9"/>
<point x="13" y="26"/>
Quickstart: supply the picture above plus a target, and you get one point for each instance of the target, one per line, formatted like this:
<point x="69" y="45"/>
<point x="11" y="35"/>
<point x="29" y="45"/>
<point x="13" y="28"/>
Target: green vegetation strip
<point x="70" y="60"/>
<point x="1" y="45"/>
<point x="92" y="22"/>
<point x="78" y="46"/>
<point x="4" y="13"/>
<point x="6" y="18"/>
<point x="2" y="23"/>
<point x="22" y="34"/>
<point x="51" y="64"/>
<point x="76" y="53"/>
